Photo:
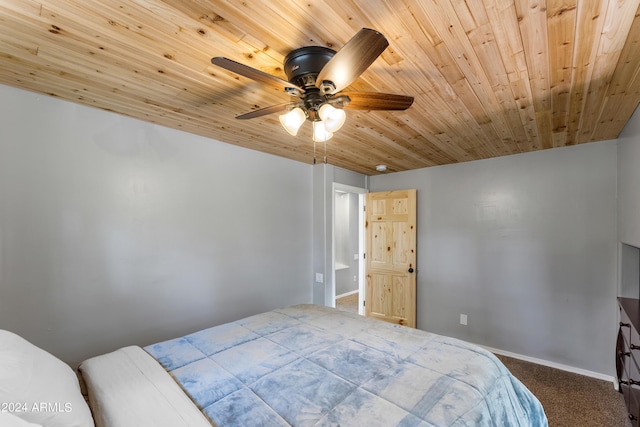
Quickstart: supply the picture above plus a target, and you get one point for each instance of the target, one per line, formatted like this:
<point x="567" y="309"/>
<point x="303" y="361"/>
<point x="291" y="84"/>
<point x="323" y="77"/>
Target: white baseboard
<point x="560" y="366"/>
<point x="346" y="294"/>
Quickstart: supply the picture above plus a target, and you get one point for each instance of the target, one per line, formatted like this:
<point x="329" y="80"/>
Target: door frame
<point x="361" y="233"/>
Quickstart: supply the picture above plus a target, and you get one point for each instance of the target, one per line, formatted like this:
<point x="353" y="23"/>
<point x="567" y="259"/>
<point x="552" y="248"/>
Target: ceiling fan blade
<point x="254" y="74"/>
<point x="267" y="110"/>
<point x="377" y="101"/>
<point x="353" y="59"/>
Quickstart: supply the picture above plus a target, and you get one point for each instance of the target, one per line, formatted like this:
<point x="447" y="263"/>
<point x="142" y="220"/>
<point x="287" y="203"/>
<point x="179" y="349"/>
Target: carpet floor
<point x="571" y="399"/>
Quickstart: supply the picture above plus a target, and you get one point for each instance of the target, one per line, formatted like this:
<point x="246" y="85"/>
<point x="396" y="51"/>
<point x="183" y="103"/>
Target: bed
<point x="307" y="365"/>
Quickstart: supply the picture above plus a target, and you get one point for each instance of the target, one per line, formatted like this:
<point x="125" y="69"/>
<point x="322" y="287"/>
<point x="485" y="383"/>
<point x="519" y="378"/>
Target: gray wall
<point x="324" y="176"/>
<point x="346" y="239"/>
<point x="524" y="245"/>
<point x="629" y="207"/>
<point x="629" y="272"/>
<point x="629" y="182"/>
<point x="116" y="232"/>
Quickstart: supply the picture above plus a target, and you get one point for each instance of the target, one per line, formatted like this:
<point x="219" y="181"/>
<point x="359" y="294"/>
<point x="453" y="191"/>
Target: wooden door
<point x="390" y="256"/>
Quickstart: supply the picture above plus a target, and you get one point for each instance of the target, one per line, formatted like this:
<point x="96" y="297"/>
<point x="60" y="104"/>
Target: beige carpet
<point x="570" y="399"/>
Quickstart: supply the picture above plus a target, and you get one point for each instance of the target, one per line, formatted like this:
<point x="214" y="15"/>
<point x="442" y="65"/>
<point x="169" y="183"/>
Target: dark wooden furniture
<point x="628" y="356"/>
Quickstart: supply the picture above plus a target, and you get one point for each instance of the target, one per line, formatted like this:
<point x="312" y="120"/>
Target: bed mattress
<point x="310" y="365"/>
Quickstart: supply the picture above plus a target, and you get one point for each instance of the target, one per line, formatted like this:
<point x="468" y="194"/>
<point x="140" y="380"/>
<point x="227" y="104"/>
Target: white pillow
<point x="8" y="420"/>
<point x="37" y="387"/>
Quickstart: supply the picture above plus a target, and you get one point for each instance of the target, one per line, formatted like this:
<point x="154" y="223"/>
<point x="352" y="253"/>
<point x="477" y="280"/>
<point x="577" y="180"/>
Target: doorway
<point x="348" y="248"/>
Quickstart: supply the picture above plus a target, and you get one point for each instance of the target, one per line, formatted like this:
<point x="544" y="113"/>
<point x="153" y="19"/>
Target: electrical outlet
<point x="319" y="277"/>
<point x="463" y="319"/>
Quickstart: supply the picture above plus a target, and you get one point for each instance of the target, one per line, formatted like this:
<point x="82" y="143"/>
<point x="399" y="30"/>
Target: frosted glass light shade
<point x="292" y="121"/>
<point x="332" y="117"/>
<point x="320" y="133"/>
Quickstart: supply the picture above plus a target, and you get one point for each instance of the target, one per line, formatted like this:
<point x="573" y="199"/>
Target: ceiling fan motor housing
<point x="303" y="65"/>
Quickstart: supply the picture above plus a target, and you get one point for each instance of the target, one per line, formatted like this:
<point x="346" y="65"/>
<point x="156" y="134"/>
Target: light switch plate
<point x="463" y="319"/>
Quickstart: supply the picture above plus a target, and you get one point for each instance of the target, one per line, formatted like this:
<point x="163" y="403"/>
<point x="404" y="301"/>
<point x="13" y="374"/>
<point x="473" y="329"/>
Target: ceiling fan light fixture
<point x="292" y="121"/>
<point x="320" y="132"/>
<point x="316" y="77"/>
<point x="333" y="118"/>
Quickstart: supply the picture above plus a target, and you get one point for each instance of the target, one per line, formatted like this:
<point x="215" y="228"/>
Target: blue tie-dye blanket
<point x="309" y="365"/>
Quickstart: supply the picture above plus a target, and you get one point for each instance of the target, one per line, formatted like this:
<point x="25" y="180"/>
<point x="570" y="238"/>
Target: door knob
<point x="410" y="269"/>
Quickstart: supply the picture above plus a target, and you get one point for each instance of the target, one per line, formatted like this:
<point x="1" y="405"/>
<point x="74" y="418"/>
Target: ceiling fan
<point x="317" y="75"/>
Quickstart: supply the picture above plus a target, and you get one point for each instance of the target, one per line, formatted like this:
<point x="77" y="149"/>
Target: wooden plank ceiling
<point x="489" y="77"/>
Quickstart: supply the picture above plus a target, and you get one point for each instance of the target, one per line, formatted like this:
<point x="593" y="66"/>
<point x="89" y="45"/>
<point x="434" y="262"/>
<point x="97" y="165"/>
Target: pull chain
<point x="325" y="152"/>
<point x="314" y="152"/>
